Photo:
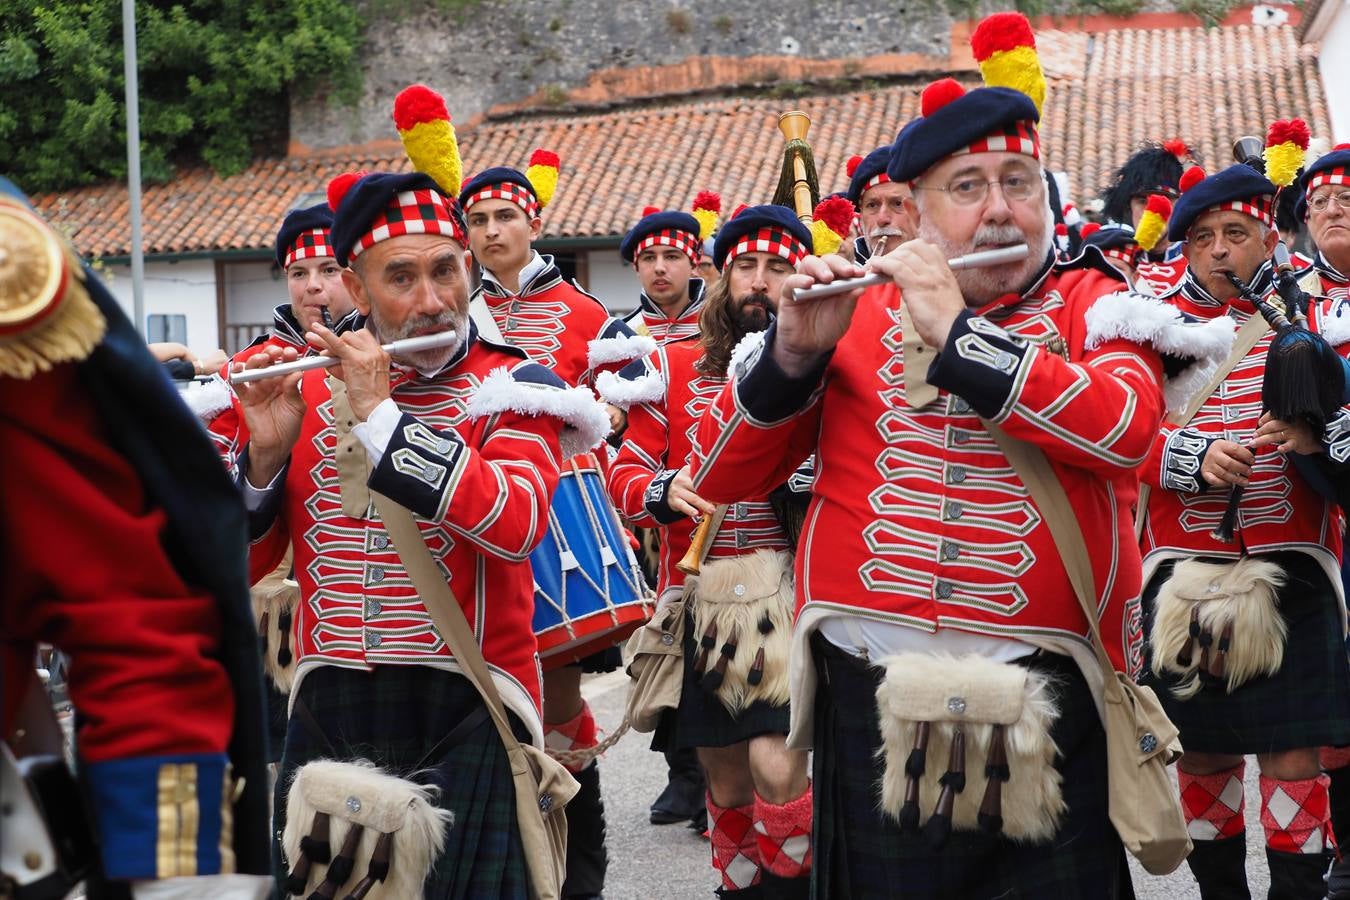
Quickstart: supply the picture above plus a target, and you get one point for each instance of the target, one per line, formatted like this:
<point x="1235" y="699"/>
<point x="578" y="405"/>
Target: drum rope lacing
<point x="584" y="756"/>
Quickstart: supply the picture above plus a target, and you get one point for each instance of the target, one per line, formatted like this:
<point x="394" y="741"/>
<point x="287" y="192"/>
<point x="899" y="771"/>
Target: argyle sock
<point x="1295" y="814"/>
<point x="1212" y="804"/>
<point x="577" y="733"/>
<point x="735" y="851"/>
<point x="783" y="833"/>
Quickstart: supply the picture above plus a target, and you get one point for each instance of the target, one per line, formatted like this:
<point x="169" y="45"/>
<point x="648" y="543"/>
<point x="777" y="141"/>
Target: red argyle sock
<point x="1296" y="814"/>
<point x="577" y="733"/>
<point x="784" y="835"/>
<point x="1334" y="758"/>
<point x="1212" y="804"/>
<point x="735" y="852"/>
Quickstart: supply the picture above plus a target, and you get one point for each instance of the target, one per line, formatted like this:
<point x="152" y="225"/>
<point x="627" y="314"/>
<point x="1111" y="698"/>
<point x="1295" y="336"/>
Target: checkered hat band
<point x="769" y="240"/>
<point x="682" y="241"/>
<point x="412" y="212"/>
<point x="507" y="190"/>
<point x="1327" y="176"/>
<point x="1263" y="210"/>
<point x="879" y="178"/>
<point x="1120" y="253"/>
<point x="311" y="244"/>
<point x="1020" y="137"/>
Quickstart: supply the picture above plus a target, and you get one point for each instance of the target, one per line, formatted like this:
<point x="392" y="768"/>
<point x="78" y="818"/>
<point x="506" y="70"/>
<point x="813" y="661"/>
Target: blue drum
<point x="588" y="590"/>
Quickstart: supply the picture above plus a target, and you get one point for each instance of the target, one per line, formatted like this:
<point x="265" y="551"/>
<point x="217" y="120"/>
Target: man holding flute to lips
<point x="922" y="551"/>
<point x="469" y="437"/>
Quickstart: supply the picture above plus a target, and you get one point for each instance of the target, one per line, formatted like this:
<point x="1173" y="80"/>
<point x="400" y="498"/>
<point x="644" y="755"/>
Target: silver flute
<point x="978" y="260"/>
<point x="407" y="345"/>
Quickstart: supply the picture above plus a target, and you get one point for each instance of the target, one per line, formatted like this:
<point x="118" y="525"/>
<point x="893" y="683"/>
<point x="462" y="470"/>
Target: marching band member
<point x="469" y="438"/>
<point x="733" y="704"/>
<point x="1153" y="169"/>
<point x="880" y="202"/>
<point x="665" y="248"/>
<point x="920" y="543"/>
<point x="124" y="547"/>
<point x="1245" y="635"/>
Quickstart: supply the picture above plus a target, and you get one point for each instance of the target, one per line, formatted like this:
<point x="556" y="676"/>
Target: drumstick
<point x="407" y="345"/>
<point x="969" y="261"/>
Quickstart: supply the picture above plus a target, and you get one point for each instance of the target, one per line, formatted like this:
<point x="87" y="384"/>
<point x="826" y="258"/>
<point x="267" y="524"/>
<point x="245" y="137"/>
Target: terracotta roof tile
<point x="1108" y="91"/>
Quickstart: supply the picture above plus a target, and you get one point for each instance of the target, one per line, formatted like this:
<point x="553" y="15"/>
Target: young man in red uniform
<point x="665" y="249"/>
<point x="124" y="545"/>
<point x="1300" y="700"/>
<point x="532" y="307"/>
<point x="759" y="800"/>
<point x="920" y="539"/>
<point x="470" y="438"/>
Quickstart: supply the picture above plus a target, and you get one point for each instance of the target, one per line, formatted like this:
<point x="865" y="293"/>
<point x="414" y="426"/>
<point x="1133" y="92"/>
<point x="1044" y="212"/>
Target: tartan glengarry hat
<point x="669" y="228"/>
<point x="1330" y="168"/>
<point x="1238" y="187"/>
<point x="305" y="234"/>
<point x="869" y="172"/>
<point x="373" y="207"/>
<point x="501" y="183"/>
<point x="762" y="229"/>
<point x="956" y="121"/>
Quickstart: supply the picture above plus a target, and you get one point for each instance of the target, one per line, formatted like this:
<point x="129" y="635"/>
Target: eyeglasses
<point x="970" y="191"/>
<point x="1322" y="202"/>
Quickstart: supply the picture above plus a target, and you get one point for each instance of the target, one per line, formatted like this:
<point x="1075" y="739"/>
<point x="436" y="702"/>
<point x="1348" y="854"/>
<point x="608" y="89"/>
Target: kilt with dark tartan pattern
<point x="702" y="721"/>
<point x="860" y="853"/>
<point x="1305" y="704"/>
<point x="395" y="716"/>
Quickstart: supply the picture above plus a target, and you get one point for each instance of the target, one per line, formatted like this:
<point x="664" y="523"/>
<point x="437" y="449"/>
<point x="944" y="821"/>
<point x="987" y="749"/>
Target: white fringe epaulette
<point x="624" y="348"/>
<point x="586" y="420"/>
<point x="1335" y="327"/>
<point x="1136" y="317"/>
<point x="744" y="347"/>
<point x="208" y="400"/>
<point x="648" y="387"/>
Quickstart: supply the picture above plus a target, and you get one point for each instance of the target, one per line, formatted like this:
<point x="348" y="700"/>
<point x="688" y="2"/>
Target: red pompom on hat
<point x="740" y="209"/>
<point x="1061" y="229"/>
<point x="1001" y="31"/>
<point x="939" y="94"/>
<point x="339" y="186"/>
<point x="650" y="211"/>
<point x="852" y="165"/>
<point x="1159" y="204"/>
<point x="1341" y="147"/>
<point x="1177" y="147"/>
<point x="416" y="104"/>
<point x="1190" y="178"/>
<point x="1089" y="230"/>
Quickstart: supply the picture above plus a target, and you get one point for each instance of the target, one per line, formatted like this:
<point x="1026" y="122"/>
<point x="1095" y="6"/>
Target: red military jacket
<point x="1158" y="277"/>
<point x="1334" y="283"/>
<point x="667" y="401"/>
<point x="476" y="457"/>
<point x="917" y="518"/>
<point x="1279" y="510"/>
<point x="648" y="318"/>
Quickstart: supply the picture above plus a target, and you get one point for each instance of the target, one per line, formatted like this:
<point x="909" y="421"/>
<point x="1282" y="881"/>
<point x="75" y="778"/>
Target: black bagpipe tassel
<point x="379" y="867"/>
<point x="713" y="680"/>
<point x="284" y="647"/>
<point x="757" y="670"/>
<point x="314" y="848"/>
<point x="706" y="644"/>
<point x="1218" y="662"/>
<point x="765" y="625"/>
<point x="1206" y="640"/>
<point x="939" y="826"/>
<point x="1228" y="524"/>
<point x="1188" y="651"/>
<point x="340" y="869"/>
<point x="997" y="772"/>
<point x="914" y="768"/>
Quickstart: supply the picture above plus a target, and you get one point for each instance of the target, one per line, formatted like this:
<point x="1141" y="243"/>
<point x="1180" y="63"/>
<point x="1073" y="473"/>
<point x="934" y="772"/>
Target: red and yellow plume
<point x="1153" y="223"/>
<point x="1286" y="144"/>
<point x="423" y="123"/>
<point x="832" y="219"/>
<point x="1005" y="48"/>
<point x="707" y="207"/>
<point x="543" y="175"/>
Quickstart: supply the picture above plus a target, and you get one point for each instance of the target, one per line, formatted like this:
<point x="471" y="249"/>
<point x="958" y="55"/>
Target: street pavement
<point x="673" y="863"/>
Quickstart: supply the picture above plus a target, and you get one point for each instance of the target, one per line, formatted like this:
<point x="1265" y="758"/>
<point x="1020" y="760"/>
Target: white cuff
<point x="377" y="430"/>
<point x="255" y="496"/>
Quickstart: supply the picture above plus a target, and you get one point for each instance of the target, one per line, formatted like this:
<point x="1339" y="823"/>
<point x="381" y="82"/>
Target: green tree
<point x="215" y="78"/>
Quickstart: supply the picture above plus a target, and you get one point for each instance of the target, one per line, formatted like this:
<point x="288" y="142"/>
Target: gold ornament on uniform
<point x="46" y="316"/>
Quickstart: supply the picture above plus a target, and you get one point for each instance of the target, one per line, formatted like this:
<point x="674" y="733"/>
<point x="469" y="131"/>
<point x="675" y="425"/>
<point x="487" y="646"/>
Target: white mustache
<point x="998" y="234"/>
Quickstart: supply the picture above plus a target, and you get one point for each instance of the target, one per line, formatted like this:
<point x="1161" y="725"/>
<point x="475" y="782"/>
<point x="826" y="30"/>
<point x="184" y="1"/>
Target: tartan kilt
<point x="1305" y="704"/>
<point x="702" y="721"/>
<point x="394" y="716"/>
<point x="860" y="853"/>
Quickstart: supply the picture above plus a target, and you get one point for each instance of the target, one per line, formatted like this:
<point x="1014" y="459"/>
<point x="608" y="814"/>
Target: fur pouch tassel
<point x="314" y="848"/>
<point x="997" y="774"/>
<point x="914" y="768"/>
<point x="953" y="782"/>
<point x="274" y="601"/>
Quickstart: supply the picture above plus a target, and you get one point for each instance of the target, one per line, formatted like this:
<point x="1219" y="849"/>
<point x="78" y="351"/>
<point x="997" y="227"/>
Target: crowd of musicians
<point x="872" y="559"/>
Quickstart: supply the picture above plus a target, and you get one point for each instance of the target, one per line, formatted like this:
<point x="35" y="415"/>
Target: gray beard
<point x="980" y="286"/>
<point x="424" y="361"/>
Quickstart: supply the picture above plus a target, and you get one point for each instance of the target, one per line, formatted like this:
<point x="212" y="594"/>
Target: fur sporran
<point x="351" y="822"/>
<point x="1219" y="622"/>
<point x="742" y="615"/>
<point x="274" y="600"/>
<point x="965" y="743"/>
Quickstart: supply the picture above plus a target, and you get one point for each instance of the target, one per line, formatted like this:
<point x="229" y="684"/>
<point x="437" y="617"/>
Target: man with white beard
<point x="470" y="438"/>
<point x="925" y="573"/>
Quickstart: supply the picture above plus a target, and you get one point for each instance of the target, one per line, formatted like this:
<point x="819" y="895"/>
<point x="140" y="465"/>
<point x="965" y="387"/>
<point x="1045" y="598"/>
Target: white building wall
<point x="252" y="291"/>
<point x="186" y="288"/>
<point x="1334" y="63"/>
<point x="612" y="280"/>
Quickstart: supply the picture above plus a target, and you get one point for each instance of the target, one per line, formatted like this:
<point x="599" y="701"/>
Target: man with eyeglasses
<point x="921" y="550"/>
<point x="1268" y="674"/>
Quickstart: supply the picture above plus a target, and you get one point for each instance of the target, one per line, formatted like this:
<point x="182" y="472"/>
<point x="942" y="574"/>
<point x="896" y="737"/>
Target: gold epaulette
<point x="46" y="315"/>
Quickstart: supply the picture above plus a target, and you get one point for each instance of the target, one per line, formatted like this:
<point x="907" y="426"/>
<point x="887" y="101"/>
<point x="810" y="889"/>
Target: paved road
<point x="672" y="862"/>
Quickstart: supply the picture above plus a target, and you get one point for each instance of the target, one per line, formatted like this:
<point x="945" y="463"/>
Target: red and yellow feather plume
<point x="1153" y="223"/>
<point x="543" y="175"/>
<point x="707" y="207"/>
<point x="1286" y="143"/>
<point x="423" y="124"/>
<point x="1005" y="48"/>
